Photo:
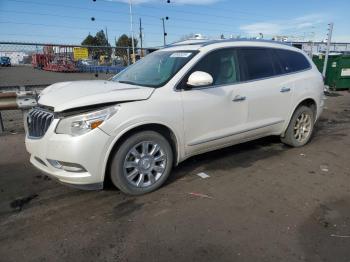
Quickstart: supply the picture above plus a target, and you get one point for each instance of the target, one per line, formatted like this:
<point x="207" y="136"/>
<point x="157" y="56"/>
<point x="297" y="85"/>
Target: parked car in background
<point x="175" y="103"/>
<point x="5" y="61"/>
<point x="86" y="62"/>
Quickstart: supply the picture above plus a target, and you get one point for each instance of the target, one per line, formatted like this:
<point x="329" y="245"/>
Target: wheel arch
<point x="164" y="130"/>
<point x="309" y="102"/>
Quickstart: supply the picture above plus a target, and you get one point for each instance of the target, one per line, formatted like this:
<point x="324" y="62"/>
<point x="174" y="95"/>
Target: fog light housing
<point x="69" y="167"/>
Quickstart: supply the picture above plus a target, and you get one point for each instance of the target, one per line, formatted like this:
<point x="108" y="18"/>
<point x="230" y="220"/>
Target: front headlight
<point x="84" y="123"/>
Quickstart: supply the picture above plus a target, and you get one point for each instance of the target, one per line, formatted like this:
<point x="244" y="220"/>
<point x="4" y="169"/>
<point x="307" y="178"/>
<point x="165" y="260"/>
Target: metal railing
<point x="37" y="65"/>
<point x="16" y="101"/>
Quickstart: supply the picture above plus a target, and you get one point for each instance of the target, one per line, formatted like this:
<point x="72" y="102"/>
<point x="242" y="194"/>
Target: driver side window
<point x="221" y="65"/>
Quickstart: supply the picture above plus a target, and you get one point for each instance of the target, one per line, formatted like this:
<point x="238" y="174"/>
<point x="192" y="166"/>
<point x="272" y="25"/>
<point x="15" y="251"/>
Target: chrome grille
<point x="38" y="122"/>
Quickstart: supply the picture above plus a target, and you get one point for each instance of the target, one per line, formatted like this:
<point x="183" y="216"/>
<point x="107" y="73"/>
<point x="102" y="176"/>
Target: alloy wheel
<point x="145" y="164"/>
<point x="303" y="127"/>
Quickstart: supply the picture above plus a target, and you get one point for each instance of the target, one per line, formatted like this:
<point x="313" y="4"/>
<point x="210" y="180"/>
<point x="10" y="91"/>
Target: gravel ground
<point x="263" y="201"/>
<point x="13" y="121"/>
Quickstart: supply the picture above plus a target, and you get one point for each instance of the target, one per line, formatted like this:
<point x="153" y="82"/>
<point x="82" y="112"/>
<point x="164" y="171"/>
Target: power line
<point x="141" y="14"/>
<point x="41" y="35"/>
<point x="88" y="28"/>
<point x="97" y="29"/>
<point x="62" y="16"/>
<point x="198" y="13"/>
<point x="55" y="36"/>
<point x="56" y="26"/>
<point x="230" y="10"/>
<point x="216" y="16"/>
<point x="218" y="31"/>
<point x="70" y="27"/>
<point x="72" y="7"/>
<point x="113" y="12"/>
<point x="118" y="21"/>
<point x="152" y="16"/>
<point x="31" y="43"/>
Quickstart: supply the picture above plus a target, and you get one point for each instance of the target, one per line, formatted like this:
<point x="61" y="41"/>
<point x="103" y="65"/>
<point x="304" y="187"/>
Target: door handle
<point x="239" y="98"/>
<point x="285" y="89"/>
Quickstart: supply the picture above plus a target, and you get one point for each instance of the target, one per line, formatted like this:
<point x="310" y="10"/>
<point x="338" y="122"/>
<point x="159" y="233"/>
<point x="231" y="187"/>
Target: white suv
<point x="180" y="101"/>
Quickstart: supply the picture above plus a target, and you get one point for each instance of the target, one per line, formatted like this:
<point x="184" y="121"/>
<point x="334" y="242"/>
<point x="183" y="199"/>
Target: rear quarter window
<point x="292" y="61"/>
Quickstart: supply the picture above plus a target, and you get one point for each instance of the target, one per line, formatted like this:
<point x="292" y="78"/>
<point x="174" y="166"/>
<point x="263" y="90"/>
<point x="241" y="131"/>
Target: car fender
<point x="296" y="103"/>
<point x="126" y="128"/>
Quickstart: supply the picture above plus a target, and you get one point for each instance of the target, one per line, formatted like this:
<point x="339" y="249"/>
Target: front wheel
<point x="300" y="129"/>
<point x="142" y="163"/>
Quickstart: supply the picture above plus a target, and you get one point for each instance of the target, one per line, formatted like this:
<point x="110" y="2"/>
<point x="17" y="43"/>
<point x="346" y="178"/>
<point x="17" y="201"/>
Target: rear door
<point x="269" y="91"/>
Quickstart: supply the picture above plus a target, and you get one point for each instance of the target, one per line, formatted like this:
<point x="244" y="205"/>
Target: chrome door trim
<point x="235" y="133"/>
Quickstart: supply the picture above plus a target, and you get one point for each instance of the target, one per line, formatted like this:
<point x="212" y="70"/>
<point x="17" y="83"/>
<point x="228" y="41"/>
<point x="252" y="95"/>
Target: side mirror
<point x="200" y="79"/>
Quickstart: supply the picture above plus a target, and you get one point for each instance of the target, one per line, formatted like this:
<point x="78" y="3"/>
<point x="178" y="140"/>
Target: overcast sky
<point x="68" y="21"/>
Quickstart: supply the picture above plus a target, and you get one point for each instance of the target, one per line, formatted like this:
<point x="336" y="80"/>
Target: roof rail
<point x="206" y="42"/>
<point x="188" y="42"/>
<point x="244" y="40"/>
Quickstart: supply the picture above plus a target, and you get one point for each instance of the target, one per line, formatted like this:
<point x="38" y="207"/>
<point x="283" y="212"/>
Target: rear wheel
<point x="301" y="126"/>
<point x="142" y="163"/>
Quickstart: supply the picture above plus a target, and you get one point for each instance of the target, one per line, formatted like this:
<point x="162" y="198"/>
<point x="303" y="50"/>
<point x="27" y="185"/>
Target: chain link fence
<point x="33" y="66"/>
<point x="44" y="62"/>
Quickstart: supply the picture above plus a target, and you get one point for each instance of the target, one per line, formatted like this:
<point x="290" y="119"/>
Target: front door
<point x="215" y="115"/>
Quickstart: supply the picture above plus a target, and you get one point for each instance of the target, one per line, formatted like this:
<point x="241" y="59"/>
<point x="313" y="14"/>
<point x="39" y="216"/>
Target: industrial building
<point x="320" y="47"/>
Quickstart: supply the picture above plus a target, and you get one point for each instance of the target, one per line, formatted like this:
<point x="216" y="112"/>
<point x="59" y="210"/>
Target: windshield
<point x="156" y="69"/>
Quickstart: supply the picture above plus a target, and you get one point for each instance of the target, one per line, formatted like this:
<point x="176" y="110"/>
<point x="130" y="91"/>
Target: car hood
<point x="76" y="94"/>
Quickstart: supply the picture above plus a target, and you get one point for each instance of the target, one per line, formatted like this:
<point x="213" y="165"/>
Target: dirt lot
<point x="27" y="75"/>
<point x="266" y="202"/>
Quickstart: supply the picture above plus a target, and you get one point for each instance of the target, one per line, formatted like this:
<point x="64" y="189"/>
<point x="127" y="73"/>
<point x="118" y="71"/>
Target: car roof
<point x="200" y="44"/>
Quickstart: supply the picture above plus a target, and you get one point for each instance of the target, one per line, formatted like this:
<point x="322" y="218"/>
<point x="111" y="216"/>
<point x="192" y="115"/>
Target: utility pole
<point x="312" y="44"/>
<point x="141" y="37"/>
<point x="107" y="35"/>
<point x="132" y="32"/>
<point x="164" y="32"/>
<point x="329" y="40"/>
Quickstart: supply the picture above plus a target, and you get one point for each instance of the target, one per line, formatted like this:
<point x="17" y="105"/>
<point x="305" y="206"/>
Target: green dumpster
<point x="338" y="70"/>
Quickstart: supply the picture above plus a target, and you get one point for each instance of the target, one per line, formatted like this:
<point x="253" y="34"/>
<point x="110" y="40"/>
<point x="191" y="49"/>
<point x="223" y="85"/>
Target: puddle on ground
<point x="126" y="208"/>
<point x="18" y="204"/>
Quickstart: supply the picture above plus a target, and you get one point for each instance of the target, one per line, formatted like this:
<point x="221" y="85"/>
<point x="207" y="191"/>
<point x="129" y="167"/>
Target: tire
<point x="127" y="162"/>
<point x="299" y="132"/>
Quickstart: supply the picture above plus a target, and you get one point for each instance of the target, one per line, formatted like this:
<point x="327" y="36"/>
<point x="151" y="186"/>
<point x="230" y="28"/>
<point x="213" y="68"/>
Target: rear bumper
<point x="87" y="151"/>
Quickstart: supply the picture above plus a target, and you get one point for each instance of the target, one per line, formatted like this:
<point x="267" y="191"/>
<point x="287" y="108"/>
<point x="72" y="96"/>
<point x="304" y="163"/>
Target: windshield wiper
<point x="127" y="82"/>
<point x="135" y="84"/>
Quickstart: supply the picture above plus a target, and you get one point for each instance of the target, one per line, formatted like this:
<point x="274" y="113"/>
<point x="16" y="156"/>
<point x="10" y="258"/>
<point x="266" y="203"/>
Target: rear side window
<point x="292" y="61"/>
<point x="256" y="63"/>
